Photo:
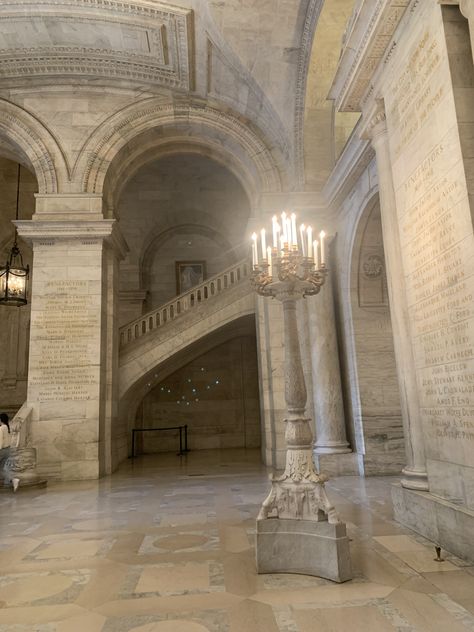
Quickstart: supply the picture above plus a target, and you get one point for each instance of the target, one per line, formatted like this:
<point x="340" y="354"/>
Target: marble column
<point x="467" y="9"/>
<point x="327" y="389"/>
<point x="414" y="474"/>
<point x="72" y="344"/>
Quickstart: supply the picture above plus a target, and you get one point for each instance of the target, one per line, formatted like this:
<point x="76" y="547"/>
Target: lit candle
<point x="303" y="243"/>
<point x="315" y="250"/>
<point x="264" y="244"/>
<point x="309" y="233"/>
<point x="254" y="250"/>
<point x="269" y="257"/>
<point x="294" y="237"/>
<point x="275" y="231"/>
<point x="282" y="242"/>
<point x="288" y="230"/>
<point x="322" y="235"/>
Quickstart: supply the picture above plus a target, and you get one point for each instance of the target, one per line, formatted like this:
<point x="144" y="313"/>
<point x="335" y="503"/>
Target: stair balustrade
<point x="186" y="301"/>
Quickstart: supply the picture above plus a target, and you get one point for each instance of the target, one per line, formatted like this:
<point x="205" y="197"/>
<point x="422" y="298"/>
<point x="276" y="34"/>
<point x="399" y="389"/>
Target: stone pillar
<point x="72" y="346"/>
<point x="414" y="474"/>
<point x="467" y="9"/>
<point x="327" y="390"/>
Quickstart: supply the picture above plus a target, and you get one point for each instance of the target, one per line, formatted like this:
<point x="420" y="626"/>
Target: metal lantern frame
<point x="14" y="275"/>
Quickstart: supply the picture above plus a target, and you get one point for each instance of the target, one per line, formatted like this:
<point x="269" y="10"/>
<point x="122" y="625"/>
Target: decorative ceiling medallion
<point x="139" y="41"/>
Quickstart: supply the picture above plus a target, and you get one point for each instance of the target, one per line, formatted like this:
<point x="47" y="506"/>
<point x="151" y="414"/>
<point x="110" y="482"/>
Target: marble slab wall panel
<point x="65" y="357"/>
<point x="437" y="240"/>
<point x="216" y="395"/>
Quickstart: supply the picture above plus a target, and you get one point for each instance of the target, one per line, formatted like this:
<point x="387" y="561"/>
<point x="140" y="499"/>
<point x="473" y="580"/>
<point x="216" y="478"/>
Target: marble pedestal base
<point x="313" y="548"/>
<point x="344" y="464"/>
<point x="448" y="525"/>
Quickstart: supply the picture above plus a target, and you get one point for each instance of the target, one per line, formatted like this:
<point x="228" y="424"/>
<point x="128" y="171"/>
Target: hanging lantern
<point x="14" y="275"/>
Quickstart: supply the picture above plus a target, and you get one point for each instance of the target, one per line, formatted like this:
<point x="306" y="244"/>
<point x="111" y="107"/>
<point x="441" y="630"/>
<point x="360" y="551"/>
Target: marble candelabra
<point x="298" y="530"/>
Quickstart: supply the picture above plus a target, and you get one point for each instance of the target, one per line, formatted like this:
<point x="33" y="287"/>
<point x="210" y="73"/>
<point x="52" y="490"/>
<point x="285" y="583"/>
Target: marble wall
<point x="216" y="395"/>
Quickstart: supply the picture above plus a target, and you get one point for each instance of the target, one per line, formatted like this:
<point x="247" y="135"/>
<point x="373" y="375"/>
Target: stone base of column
<point x="447" y="525"/>
<point x="413" y="479"/>
<point x="344" y="464"/>
<point x="320" y="549"/>
<point x="332" y="447"/>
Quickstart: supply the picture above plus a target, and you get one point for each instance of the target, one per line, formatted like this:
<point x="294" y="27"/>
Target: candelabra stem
<point x="299" y="492"/>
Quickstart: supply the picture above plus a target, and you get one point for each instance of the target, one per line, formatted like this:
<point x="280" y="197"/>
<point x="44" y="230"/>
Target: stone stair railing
<point x="178" y="306"/>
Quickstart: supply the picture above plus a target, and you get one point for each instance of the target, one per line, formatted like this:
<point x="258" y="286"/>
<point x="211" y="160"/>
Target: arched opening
<point x="179" y="213"/>
<point x="14" y="332"/>
<point x="380" y="421"/>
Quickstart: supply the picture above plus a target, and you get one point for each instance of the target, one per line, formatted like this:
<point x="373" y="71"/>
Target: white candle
<point x="283" y="224"/>
<point x="315" y="249"/>
<point x="282" y="242"/>
<point x="302" y="238"/>
<point x="309" y="232"/>
<point x="294" y="237"/>
<point x="269" y="257"/>
<point x="275" y="231"/>
<point x="254" y="250"/>
<point x="264" y="244"/>
<point x="288" y="230"/>
<point x="322" y="235"/>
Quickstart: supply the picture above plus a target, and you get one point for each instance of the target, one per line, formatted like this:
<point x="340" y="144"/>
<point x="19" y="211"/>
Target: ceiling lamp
<point x="14" y="275"/>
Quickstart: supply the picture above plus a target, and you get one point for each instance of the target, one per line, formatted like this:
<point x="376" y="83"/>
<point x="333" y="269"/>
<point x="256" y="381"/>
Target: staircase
<point x="154" y="337"/>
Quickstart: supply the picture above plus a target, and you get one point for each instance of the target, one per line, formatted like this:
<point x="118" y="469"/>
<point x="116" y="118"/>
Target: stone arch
<point x="130" y="401"/>
<point x="35" y="145"/>
<point x="138" y="154"/>
<point x="378" y="422"/>
<point x="138" y="361"/>
<point x="192" y="119"/>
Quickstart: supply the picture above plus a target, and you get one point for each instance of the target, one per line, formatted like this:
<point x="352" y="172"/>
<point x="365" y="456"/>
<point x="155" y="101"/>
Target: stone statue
<point x="20" y="467"/>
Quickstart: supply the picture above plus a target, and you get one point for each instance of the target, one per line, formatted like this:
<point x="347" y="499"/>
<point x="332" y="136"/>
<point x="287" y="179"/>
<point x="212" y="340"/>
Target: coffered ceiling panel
<point x="136" y="40"/>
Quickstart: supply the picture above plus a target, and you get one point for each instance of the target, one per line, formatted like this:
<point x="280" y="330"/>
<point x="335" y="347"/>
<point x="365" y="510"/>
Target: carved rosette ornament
<point x="292" y="269"/>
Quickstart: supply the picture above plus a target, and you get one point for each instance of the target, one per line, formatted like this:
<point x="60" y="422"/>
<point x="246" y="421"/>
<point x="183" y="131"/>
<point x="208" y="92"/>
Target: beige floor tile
<point x="424" y="614"/>
<point x="178" y="625"/>
<point x="396" y="543"/>
<point x="458" y="585"/>
<point x="251" y="616"/>
<point x="424" y="561"/>
<point x="169" y="578"/>
<point x="70" y="548"/>
<point x="235" y="539"/>
<point x="331" y="594"/>
<point x="83" y="623"/>
<point x="359" y="619"/>
<point x="24" y="590"/>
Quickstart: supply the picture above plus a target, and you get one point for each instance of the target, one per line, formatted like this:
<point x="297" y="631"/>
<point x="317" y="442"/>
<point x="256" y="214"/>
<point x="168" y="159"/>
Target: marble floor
<point x="166" y="545"/>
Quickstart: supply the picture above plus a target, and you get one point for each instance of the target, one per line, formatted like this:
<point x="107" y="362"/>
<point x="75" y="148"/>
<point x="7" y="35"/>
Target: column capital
<point x="467" y="8"/>
<point x="374" y="122"/>
<point x="53" y="231"/>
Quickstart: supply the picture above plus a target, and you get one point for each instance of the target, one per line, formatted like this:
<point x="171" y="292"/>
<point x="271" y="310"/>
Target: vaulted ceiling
<point x="251" y="56"/>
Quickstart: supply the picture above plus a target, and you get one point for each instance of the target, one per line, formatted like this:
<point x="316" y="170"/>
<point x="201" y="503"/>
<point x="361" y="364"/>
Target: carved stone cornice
<point x="52" y="232"/>
<point x="366" y="43"/>
<point x="374" y="122"/>
<point x="140" y="40"/>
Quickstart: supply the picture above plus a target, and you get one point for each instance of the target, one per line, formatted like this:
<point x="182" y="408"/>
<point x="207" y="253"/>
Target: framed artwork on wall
<point x="189" y="274"/>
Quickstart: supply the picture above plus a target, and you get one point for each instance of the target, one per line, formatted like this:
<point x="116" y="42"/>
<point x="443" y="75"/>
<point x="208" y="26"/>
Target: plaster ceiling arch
<point x="148" y="148"/>
<point x="30" y="142"/>
<point x="157" y="239"/>
<point x="193" y="117"/>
